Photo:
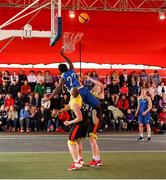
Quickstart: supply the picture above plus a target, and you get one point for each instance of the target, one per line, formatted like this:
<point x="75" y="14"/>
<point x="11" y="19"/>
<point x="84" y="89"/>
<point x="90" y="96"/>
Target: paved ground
<point x="57" y="143"/>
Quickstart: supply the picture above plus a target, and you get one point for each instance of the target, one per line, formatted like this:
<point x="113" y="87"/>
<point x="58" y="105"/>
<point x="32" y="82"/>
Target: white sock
<point x="148" y="135"/>
<point x="98" y="157"/>
<point x="141" y="134"/>
<point x="79" y="158"/>
<point x="76" y="161"/>
<point x="93" y="157"/>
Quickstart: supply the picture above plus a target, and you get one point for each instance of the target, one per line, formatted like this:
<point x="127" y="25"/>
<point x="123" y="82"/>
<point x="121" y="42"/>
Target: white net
<point x="70" y="40"/>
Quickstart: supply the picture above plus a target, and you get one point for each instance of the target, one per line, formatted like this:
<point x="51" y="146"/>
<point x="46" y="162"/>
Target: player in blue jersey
<point x="69" y="79"/>
<point x="143" y="113"/>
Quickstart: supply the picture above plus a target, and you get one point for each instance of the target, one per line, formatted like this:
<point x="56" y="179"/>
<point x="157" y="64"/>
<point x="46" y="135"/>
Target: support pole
<point x="80" y="56"/>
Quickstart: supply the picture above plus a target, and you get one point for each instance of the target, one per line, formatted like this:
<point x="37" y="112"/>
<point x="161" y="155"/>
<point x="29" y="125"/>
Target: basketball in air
<point x="83" y="18"/>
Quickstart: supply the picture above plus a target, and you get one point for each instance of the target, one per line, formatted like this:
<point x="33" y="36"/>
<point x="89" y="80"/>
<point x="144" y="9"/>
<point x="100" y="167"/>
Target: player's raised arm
<point x="69" y="62"/>
<point x="95" y="81"/>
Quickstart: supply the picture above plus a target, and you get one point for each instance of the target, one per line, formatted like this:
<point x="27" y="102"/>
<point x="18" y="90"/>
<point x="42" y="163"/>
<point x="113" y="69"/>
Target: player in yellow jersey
<point x="78" y="130"/>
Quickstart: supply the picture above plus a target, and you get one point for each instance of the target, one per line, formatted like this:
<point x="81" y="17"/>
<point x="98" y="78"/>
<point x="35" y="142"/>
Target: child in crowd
<point x="129" y="119"/>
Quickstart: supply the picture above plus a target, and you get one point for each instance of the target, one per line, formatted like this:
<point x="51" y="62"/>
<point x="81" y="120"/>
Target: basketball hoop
<point x="70" y="40"/>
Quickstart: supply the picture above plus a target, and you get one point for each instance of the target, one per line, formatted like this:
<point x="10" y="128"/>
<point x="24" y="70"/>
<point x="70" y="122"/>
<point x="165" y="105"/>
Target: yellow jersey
<point x="78" y="100"/>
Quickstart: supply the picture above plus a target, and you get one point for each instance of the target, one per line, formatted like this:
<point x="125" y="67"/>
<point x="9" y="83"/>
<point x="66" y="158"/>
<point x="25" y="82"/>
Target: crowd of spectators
<point x="22" y="108"/>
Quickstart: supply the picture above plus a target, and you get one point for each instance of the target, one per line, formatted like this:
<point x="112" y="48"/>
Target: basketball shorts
<point x="144" y="119"/>
<point x="78" y="131"/>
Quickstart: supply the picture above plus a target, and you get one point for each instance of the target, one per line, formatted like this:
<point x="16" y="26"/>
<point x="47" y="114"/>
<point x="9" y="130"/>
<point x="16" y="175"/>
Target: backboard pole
<point x="52" y="17"/>
<point x="80" y="54"/>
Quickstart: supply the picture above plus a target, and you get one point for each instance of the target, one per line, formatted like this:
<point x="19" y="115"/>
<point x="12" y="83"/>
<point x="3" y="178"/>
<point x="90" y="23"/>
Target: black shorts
<point x="78" y="131"/>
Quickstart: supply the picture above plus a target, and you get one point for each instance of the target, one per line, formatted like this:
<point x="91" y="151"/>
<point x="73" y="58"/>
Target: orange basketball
<point x="83" y="18"/>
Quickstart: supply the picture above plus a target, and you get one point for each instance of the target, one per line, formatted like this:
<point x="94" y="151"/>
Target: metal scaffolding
<point x="97" y="5"/>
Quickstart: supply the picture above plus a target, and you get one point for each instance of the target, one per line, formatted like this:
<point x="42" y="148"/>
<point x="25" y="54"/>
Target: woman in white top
<point x="14" y="77"/>
<point x="40" y="77"/>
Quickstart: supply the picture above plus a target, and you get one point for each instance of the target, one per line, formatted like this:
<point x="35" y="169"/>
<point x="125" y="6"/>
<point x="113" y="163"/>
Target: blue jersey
<point x="143" y="103"/>
<point x="71" y="79"/>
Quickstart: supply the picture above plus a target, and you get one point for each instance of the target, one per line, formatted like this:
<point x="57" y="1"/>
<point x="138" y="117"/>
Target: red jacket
<point x="25" y="89"/>
<point x="64" y="116"/>
<point x="9" y="102"/>
<point x="162" y="116"/>
<point x="124" y="90"/>
<point x="123" y="104"/>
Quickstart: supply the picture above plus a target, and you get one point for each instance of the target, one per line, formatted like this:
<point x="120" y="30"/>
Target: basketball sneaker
<point x="81" y="162"/>
<point x="92" y="163"/>
<point x="149" y="139"/>
<point x="75" y="166"/>
<point x="140" y="139"/>
<point x="99" y="163"/>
